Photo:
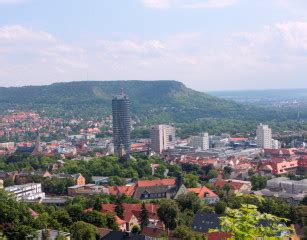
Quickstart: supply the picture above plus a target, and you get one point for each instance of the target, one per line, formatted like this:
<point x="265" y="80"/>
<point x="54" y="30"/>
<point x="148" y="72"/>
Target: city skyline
<point x="207" y="45"/>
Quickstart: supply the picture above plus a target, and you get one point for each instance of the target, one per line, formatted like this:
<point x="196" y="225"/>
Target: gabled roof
<point x="132" y="210"/>
<point x="127" y="190"/>
<point x="202" y="191"/>
<point x="119" y="221"/>
<point x="153" y="232"/>
<point x="152" y="189"/>
<point x="158" y="182"/>
<point x="233" y="185"/>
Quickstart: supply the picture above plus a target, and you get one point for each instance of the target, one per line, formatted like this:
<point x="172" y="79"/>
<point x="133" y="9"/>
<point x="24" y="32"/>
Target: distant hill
<point x="255" y="96"/>
<point x="154" y="101"/>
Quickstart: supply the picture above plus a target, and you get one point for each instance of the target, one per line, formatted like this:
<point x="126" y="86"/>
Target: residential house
<point x="162" y="188"/>
<point x="279" y="166"/>
<point x="132" y="215"/>
<point x="205" y="194"/>
<point x="8" y="175"/>
<point x="120" y="190"/>
<point x="78" y="178"/>
<point x="235" y="185"/>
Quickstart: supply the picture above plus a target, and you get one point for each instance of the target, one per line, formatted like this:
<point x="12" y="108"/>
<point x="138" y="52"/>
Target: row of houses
<point x="169" y="188"/>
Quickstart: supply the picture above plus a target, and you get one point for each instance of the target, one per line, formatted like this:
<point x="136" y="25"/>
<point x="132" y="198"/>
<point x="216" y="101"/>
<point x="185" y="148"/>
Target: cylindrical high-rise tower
<point x="121" y="124"/>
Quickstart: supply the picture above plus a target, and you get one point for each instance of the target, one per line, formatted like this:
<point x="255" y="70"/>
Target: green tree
<point x="75" y="211"/>
<point x="168" y="213"/>
<point x="248" y="223"/>
<point x="8" y="182"/>
<point x="220" y="207"/>
<point x="190" y="180"/>
<point x="304" y="201"/>
<point x="227" y="171"/>
<point x="135" y="229"/>
<point x="119" y="209"/>
<point x="62" y="217"/>
<point x="212" y="174"/>
<point x="227" y="189"/>
<point x="84" y="231"/>
<point x="144" y="216"/>
<point x="186" y="233"/>
<point x="258" y="182"/>
<point x="96" y="218"/>
<point x="189" y="201"/>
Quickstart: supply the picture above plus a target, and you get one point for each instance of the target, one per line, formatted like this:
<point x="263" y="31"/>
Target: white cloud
<point x="239" y="60"/>
<point x="164" y="4"/>
<point x="158" y="4"/>
<point x="31" y="56"/>
<point x="210" y="4"/>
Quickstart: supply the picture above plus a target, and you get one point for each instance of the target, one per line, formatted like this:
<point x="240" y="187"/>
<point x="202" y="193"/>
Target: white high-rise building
<point x="264" y="136"/>
<point x="201" y="141"/>
<point x="162" y="137"/>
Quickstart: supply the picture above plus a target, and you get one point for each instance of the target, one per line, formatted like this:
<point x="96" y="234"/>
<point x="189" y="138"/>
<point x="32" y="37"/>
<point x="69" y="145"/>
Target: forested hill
<point x="155" y="101"/>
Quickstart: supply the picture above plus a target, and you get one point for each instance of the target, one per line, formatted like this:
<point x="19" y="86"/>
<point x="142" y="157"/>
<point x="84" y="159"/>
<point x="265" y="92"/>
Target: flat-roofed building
<point x="201" y="141"/>
<point x="30" y="191"/>
<point x="162" y="138"/>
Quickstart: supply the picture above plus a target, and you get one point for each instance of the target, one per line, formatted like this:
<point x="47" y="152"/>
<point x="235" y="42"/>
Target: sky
<point x="206" y="44"/>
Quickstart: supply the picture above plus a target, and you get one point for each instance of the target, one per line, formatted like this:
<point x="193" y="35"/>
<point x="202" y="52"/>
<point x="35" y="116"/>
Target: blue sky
<point x="206" y="44"/>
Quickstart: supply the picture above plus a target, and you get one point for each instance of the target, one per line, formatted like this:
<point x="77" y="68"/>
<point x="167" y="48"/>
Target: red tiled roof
<point x="238" y="139"/>
<point x="119" y="221"/>
<point x="153" y="232"/>
<point x="132" y="209"/>
<point x="233" y="185"/>
<point x="218" y="236"/>
<point x="200" y="192"/>
<point x="127" y="190"/>
<point x="158" y="182"/>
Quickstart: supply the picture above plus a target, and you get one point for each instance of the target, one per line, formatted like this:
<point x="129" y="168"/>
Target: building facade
<point x="162" y="138"/>
<point x="30" y="191"/>
<point x="121" y="125"/>
<point x="264" y="136"/>
<point x="201" y="141"/>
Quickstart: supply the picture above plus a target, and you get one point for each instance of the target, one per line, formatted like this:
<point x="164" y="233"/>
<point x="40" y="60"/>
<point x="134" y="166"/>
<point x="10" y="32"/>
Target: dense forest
<point x="151" y="101"/>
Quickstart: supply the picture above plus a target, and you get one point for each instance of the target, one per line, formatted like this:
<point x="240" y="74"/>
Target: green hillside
<point x="154" y="101"/>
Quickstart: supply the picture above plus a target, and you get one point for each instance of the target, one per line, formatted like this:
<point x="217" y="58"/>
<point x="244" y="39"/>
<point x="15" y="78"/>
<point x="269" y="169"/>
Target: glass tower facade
<point x="121" y="125"/>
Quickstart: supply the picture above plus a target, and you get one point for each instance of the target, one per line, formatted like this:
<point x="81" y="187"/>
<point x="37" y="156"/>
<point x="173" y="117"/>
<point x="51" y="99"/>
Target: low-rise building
<point x="289" y="190"/>
<point x="236" y="186"/>
<point x="205" y="194"/>
<point x="30" y="191"/>
<point x="49" y="234"/>
<point x="87" y="189"/>
<point x="78" y="178"/>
